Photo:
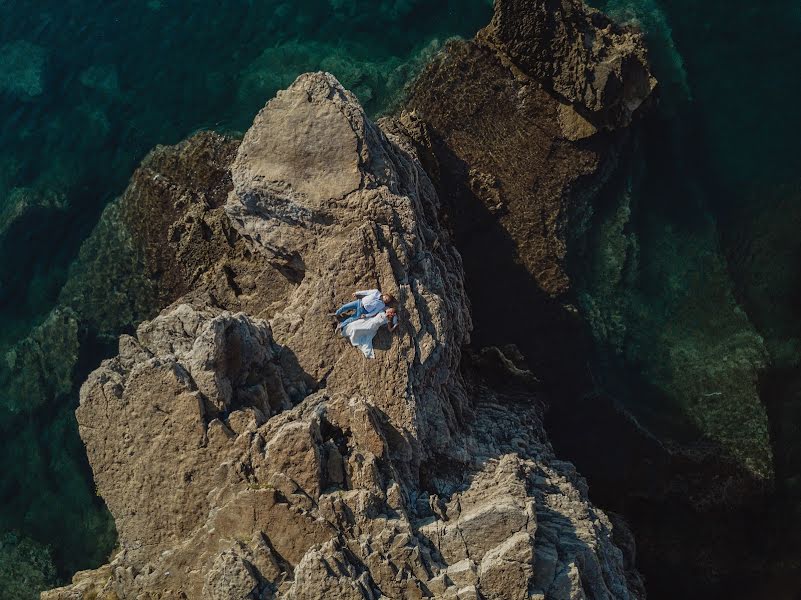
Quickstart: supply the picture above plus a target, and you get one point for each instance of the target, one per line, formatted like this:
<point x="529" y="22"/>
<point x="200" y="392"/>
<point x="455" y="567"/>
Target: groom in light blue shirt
<point x="367" y="304"/>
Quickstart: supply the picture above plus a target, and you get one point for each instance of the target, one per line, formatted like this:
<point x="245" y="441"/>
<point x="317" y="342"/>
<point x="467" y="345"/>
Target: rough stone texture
<point x="578" y="53"/>
<point x="518" y="154"/>
<point x="243" y="459"/>
<point x="166" y="236"/>
<point x="371" y="237"/>
<point x="536" y="111"/>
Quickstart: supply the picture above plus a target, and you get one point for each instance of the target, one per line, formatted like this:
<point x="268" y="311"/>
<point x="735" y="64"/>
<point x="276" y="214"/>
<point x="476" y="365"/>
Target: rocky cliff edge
<point x="250" y="459"/>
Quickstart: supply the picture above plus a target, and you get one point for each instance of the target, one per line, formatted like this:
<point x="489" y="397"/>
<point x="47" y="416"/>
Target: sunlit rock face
<point x="252" y="459"/>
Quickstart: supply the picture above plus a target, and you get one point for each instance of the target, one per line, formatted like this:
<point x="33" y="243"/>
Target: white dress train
<point x="362" y="331"/>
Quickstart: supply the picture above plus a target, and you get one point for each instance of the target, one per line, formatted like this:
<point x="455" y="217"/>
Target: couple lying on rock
<point x="371" y="310"/>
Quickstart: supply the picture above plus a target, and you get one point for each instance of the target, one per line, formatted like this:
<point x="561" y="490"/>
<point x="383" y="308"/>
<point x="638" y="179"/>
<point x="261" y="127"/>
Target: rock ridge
<point x="243" y="458"/>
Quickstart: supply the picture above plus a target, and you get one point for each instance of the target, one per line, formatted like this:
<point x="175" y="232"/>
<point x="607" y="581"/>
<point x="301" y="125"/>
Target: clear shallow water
<point x="87" y="87"/>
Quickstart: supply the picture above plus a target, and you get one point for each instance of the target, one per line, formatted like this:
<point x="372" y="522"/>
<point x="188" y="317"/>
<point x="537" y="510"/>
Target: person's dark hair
<point x="391" y="299"/>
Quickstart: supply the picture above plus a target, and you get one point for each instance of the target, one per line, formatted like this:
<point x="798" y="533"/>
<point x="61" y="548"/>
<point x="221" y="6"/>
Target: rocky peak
<point x="346" y="207"/>
<point x="247" y="459"/>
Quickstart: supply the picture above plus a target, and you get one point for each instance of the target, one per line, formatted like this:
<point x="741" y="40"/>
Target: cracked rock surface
<point x="243" y="458"/>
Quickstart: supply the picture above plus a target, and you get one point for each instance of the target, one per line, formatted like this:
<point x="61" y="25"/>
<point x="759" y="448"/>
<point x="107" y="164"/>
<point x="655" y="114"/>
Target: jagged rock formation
<point x="600" y="69"/>
<point x="537" y="107"/>
<point x="246" y="459"/>
<point x="508" y="161"/>
<point x="526" y="162"/>
<point x="166" y="236"/>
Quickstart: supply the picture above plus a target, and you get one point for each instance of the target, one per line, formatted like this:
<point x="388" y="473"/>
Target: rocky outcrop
<point x="166" y="236"/>
<point x="578" y="54"/>
<point x="537" y="108"/>
<point x="625" y="310"/>
<point x="525" y="163"/>
<point x="250" y="459"/>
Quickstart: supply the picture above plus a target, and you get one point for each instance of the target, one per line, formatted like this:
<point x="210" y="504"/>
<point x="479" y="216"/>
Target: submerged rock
<point x="690" y="340"/>
<point x="167" y="232"/>
<point x="39" y="367"/>
<point x="22" y="69"/>
<point x="25" y="202"/>
<point x="254" y="460"/>
<point x="26" y="567"/>
<point x="102" y="78"/>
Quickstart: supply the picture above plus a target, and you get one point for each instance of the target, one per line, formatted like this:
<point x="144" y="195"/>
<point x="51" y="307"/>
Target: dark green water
<point x="87" y="87"/>
<point x="706" y="305"/>
<point x="695" y="286"/>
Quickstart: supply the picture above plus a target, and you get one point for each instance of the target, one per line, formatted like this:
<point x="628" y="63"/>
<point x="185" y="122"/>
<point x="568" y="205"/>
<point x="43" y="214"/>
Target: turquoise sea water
<point x="87" y="87"/>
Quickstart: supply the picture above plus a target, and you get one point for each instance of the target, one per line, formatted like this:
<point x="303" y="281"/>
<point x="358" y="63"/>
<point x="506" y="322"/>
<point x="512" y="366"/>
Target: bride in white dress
<point x="362" y="331"/>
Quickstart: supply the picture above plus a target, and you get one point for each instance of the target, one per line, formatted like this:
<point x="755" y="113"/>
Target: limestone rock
<point x="577" y="52"/>
<point x="248" y="459"/>
<point x="230" y="577"/>
<point x="538" y="107"/>
<point x="537" y="122"/>
<point x="166" y="236"/>
<point x="174" y="402"/>
<point x="85" y="584"/>
<point x="377" y="229"/>
<point x="506" y="571"/>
